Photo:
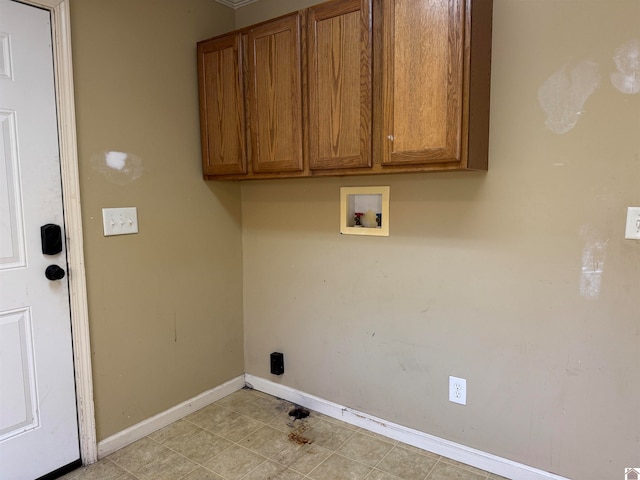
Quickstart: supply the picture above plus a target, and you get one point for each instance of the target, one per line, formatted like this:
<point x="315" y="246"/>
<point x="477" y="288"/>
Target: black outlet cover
<point x="277" y="363"/>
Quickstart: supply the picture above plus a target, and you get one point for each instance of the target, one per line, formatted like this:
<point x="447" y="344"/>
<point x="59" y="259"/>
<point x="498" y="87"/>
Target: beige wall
<point x="492" y="277"/>
<point x="165" y="305"/>
<point x="519" y="280"/>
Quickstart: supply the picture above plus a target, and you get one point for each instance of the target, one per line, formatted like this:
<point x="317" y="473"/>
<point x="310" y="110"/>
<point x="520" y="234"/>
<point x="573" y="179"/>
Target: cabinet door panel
<point x="422" y="81"/>
<point x="340" y="85"/>
<point x="275" y="96"/>
<point x="222" y="120"/>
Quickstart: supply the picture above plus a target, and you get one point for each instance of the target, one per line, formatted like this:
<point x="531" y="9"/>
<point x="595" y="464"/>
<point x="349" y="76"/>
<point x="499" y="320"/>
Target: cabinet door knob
<point x="390" y="137"/>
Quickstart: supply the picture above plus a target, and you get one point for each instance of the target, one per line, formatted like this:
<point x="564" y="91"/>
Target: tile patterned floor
<point x="250" y="436"/>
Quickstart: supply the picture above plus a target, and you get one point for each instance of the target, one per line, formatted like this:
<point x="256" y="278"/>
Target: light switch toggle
<point x="632" y="230"/>
<point x="120" y="221"/>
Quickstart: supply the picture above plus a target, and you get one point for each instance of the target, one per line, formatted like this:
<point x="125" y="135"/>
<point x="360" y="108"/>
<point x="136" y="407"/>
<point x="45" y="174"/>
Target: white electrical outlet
<point x="119" y="221"/>
<point x="632" y="229"/>
<point x="458" y="390"/>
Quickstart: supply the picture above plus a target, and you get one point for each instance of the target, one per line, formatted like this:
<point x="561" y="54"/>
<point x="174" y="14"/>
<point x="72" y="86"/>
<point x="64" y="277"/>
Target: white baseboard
<point x="485" y="461"/>
<point x="161" y="420"/>
<point x="476" y="458"/>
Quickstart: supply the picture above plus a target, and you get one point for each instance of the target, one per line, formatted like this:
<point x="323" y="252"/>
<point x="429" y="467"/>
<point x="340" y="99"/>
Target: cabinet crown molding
<point x="236" y="3"/>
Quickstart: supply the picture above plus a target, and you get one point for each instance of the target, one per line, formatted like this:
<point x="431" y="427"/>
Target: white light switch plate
<point x="120" y="221"/>
<point x="633" y="223"/>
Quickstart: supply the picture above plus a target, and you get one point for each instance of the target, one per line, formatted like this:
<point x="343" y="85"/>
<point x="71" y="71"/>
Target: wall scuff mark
<point x="593" y="258"/>
<point x="563" y="95"/>
<point x="627" y="60"/>
<point x="120" y="168"/>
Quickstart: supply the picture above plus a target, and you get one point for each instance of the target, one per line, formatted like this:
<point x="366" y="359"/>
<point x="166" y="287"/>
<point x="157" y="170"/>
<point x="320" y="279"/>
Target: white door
<point x="38" y="418"/>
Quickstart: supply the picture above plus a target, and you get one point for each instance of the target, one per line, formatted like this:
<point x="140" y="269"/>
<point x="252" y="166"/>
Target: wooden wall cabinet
<point x="340" y="85"/>
<point x="222" y="118"/>
<point x="275" y="96"/>
<point x="250" y="87"/>
<point x="349" y="87"/>
<point x="422" y="45"/>
<point x="433" y="84"/>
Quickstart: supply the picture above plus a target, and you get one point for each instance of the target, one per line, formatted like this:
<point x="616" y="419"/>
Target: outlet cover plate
<point x="458" y="390"/>
<point x="632" y="230"/>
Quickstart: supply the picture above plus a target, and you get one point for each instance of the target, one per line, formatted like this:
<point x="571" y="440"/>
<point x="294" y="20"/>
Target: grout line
<point x="433" y="468"/>
<point x="254" y="469"/>
<point x="317" y="466"/>
<point x="237" y="443"/>
<point x="122" y="468"/>
<point x="345" y="442"/>
<point x="379" y="461"/>
<point x="197" y="464"/>
<point x="375" y="467"/>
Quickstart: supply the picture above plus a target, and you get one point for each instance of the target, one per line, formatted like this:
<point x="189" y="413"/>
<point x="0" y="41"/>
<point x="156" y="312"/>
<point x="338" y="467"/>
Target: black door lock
<point x="51" y="236"/>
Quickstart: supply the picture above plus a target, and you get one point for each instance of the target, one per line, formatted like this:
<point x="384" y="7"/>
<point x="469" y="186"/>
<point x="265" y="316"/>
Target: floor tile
<point x="234" y="462"/>
<point x="172" y="466"/>
<point x="463" y="466"/>
<point x="365" y="449"/>
<point x="148" y="460"/>
<point x="378" y="436"/>
<point x="201" y="447"/>
<point x="273" y="471"/>
<point x="302" y="458"/>
<point x="201" y="473"/>
<point x="261" y="408"/>
<point x="211" y="416"/>
<point x="446" y="471"/>
<point x="416" y="450"/>
<point x="225" y="422"/>
<point x="273" y="406"/>
<point x="337" y="467"/>
<point x="406" y="464"/>
<point x="336" y="421"/>
<point x="380" y="475"/>
<point x="250" y="436"/>
<point x="176" y="432"/>
<point x="328" y="435"/>
<point x="138" y="454"/>
<point x="103" y="470"/>
<point x="238" y="400"/>
<point x="267" y="441"/>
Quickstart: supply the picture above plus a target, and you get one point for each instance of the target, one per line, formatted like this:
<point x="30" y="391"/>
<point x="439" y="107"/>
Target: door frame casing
<point x="65" y="103"/>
